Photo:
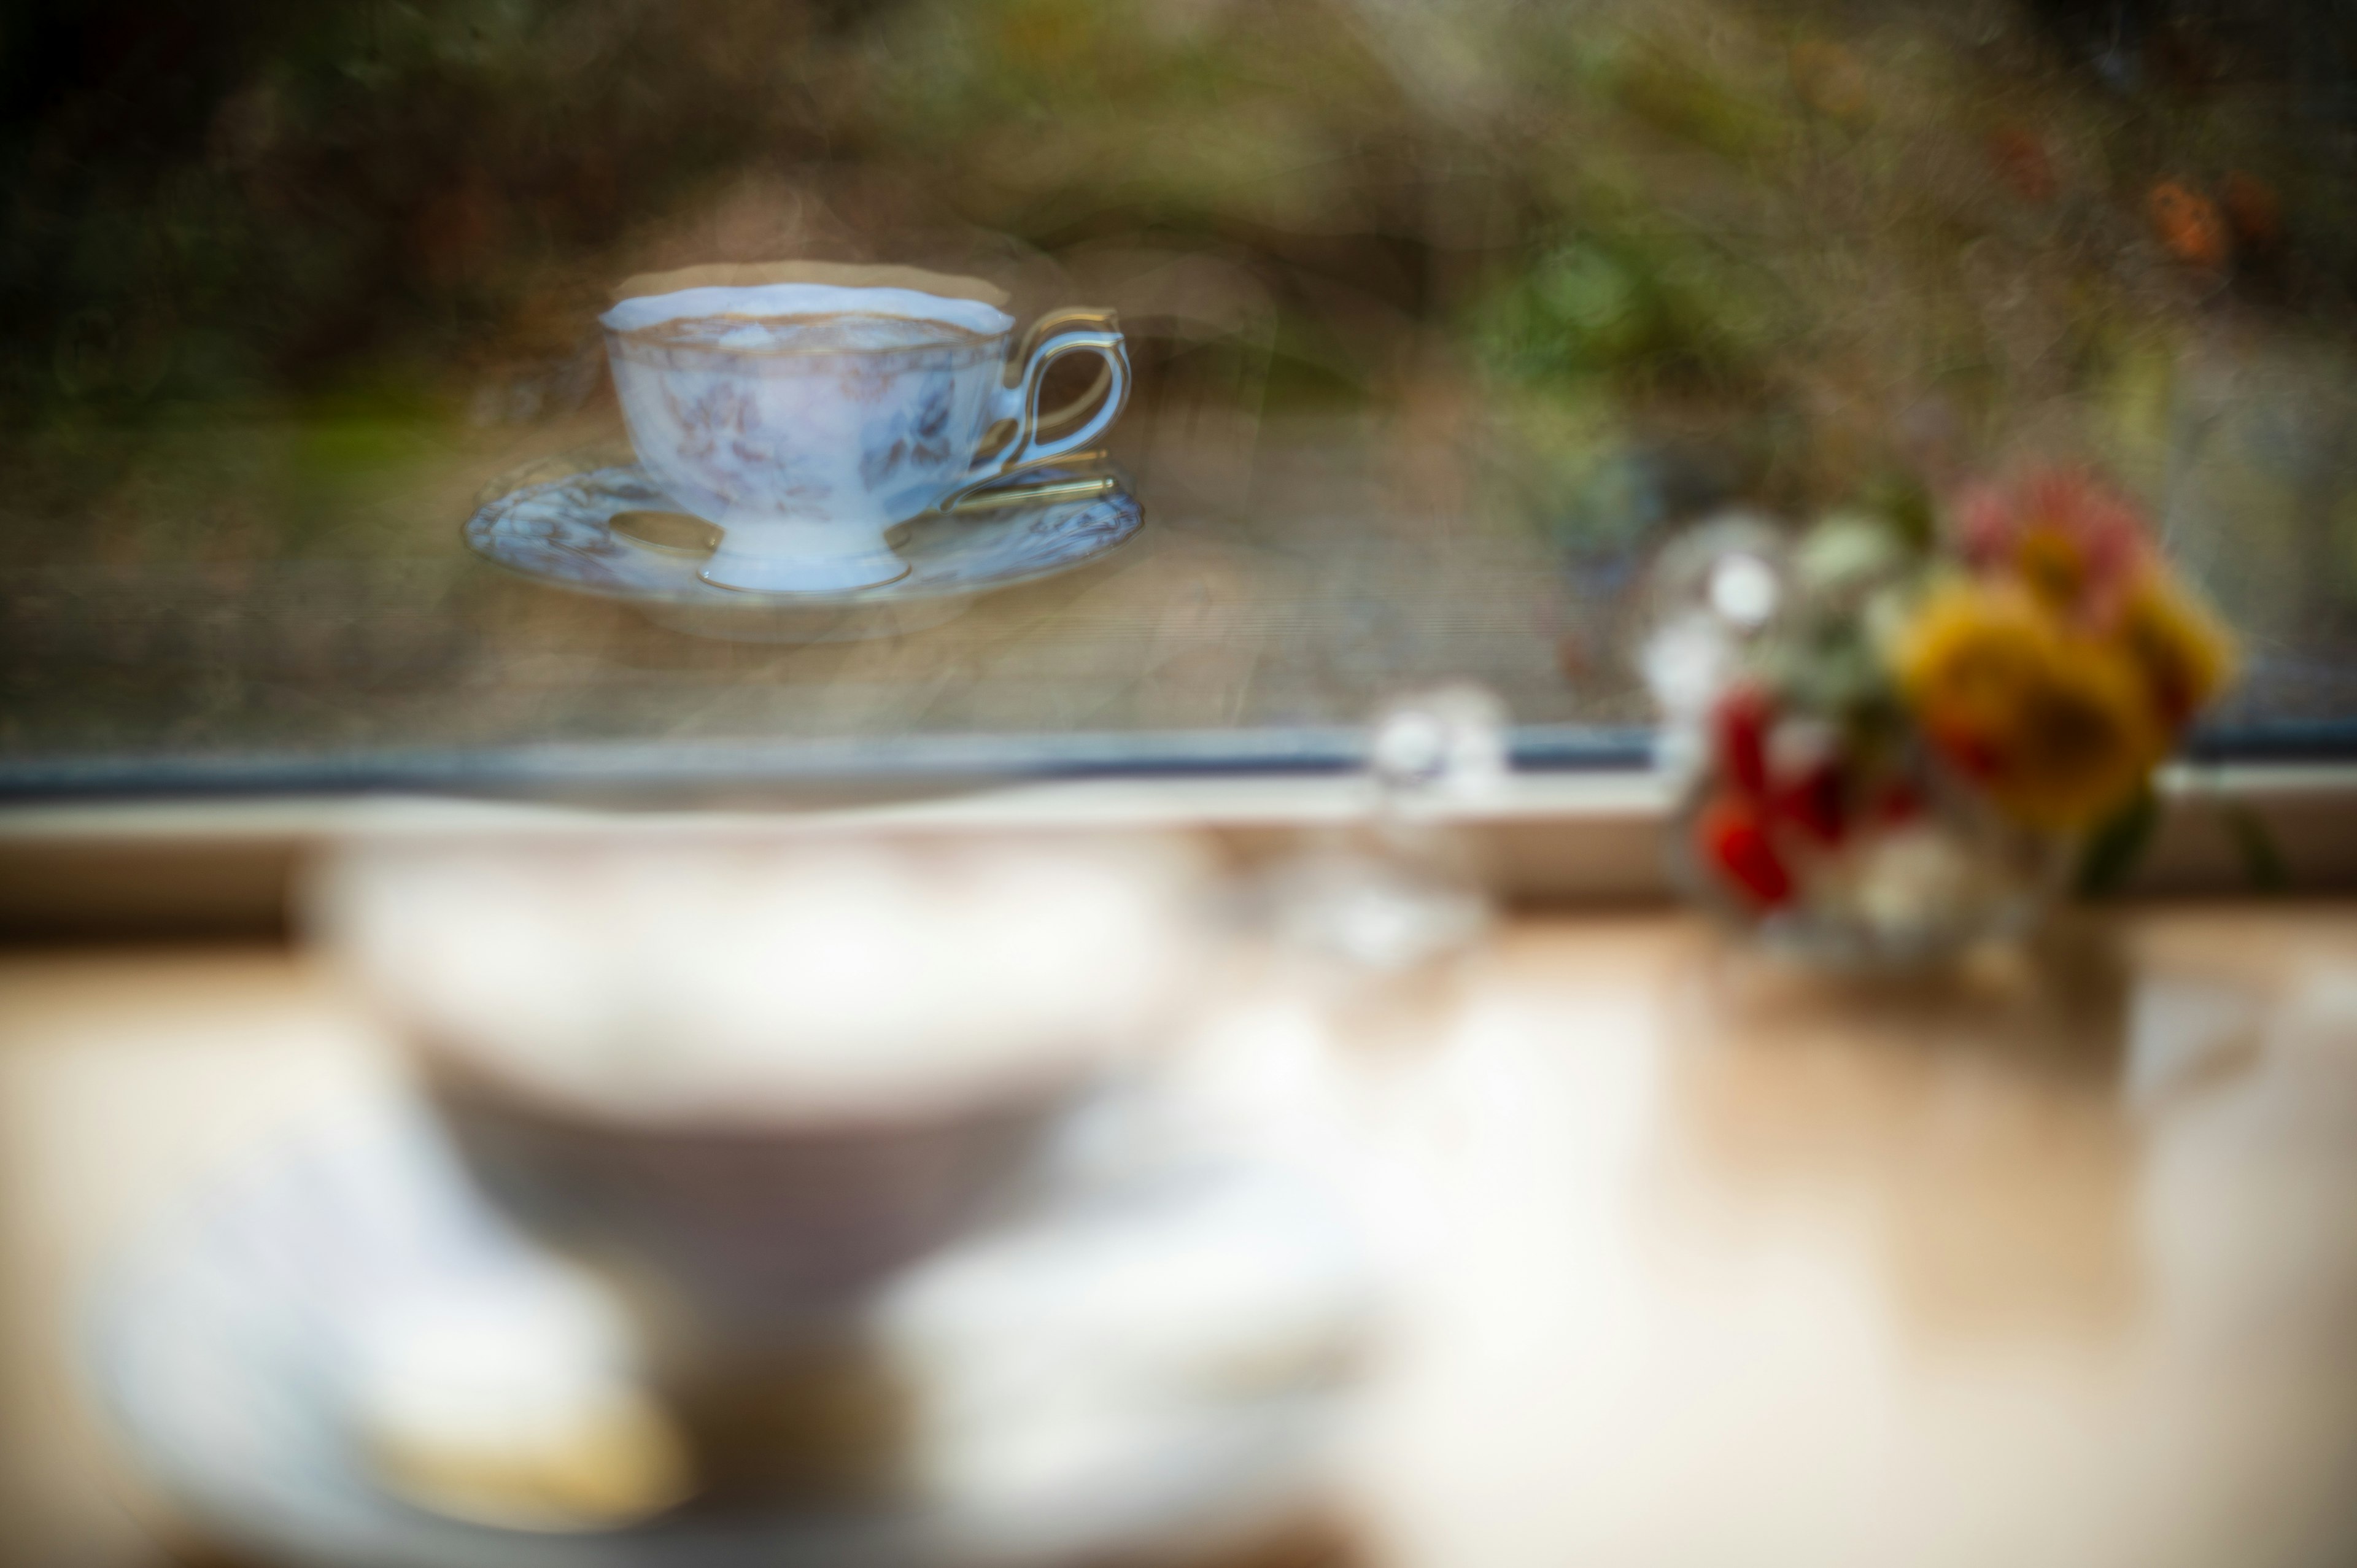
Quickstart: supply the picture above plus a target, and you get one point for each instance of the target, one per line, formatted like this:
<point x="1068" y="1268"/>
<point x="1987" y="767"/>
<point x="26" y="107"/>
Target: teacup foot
<point x="834" y="574"/>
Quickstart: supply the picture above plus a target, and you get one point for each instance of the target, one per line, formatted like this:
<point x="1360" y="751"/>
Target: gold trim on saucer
<point x="1089" y="474"/>
<point x="1085" y="488"/>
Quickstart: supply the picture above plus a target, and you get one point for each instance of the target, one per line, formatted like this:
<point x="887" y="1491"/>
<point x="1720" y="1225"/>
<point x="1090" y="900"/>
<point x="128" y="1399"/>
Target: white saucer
<point x="223" y="1347"/>
<point x="556" y="524"/>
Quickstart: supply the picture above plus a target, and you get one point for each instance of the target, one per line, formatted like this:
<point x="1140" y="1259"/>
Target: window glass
<point x="1441" y="315"/>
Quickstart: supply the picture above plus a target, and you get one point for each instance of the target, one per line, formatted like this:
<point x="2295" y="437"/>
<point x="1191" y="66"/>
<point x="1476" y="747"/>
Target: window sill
<point x="221" y="866"/>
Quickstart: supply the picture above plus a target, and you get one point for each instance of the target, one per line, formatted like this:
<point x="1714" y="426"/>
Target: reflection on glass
<point x="1400" y="892"/>
<point x="1442" y="320"/>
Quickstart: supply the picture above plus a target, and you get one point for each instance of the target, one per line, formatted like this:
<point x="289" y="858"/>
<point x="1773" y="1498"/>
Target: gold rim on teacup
<point x="831" y="274"/>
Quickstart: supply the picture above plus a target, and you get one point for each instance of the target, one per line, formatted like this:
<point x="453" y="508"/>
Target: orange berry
<point x="2189" y="224"/>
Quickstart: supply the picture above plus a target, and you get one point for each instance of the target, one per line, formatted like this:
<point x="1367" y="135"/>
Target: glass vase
<point x="1913" y="879"/>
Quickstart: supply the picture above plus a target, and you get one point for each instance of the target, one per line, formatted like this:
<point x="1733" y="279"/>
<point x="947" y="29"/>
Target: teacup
<point x="748" y="1077"/>
<point x="744" y="1256"/>
<point x="807" y="408"/>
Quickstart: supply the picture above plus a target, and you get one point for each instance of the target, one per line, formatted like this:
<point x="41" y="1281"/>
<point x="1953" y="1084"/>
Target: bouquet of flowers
<point x="1897" y="734"/>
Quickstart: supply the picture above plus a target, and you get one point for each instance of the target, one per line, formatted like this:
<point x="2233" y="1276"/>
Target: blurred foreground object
<point x="344" y="1358"/>
<point x="749" y="1080"/>
<point x="1899" y="744"/>
<point x="708" y="980"/>
<point x="511" y="1398"/>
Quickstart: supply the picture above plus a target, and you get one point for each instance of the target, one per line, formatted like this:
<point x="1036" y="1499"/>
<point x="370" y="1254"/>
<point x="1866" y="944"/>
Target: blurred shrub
<point x="1779" y="230"/>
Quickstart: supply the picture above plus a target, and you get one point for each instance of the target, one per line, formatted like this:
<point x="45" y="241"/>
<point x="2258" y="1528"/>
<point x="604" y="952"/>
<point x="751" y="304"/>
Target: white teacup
<point x="807" y="408"/>
<point x="749" y="1078"/>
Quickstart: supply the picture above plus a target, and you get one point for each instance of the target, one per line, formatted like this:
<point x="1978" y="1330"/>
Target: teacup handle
<point x="1063" y="332"/>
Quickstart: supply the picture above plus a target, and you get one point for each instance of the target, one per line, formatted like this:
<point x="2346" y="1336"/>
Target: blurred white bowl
<point x="751" y="1078"/>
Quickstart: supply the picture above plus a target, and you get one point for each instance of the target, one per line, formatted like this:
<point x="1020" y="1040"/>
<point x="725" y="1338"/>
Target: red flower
<point x="1739" y="731"/>
<point x="1817" y="803"/>
<point x="1733" y="838"/>
<point x="2076" y="544"/>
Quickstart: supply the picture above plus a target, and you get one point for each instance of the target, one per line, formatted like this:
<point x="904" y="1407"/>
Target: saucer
<point x="608" y="529"/>
<point x="1148" y="1364"/>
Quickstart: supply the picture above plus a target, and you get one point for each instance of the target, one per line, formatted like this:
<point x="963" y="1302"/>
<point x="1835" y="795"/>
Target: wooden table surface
<point x="1699" y="1261"/>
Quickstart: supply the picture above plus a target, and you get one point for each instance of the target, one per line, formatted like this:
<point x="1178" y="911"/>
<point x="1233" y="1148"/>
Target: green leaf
<point x="1905" y="506"/>
<point x="2112" y="850"/>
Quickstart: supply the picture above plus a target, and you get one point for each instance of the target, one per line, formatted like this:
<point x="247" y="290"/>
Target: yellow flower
<point x="2057" y="725"/>
<point x="2179" y="648"/>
